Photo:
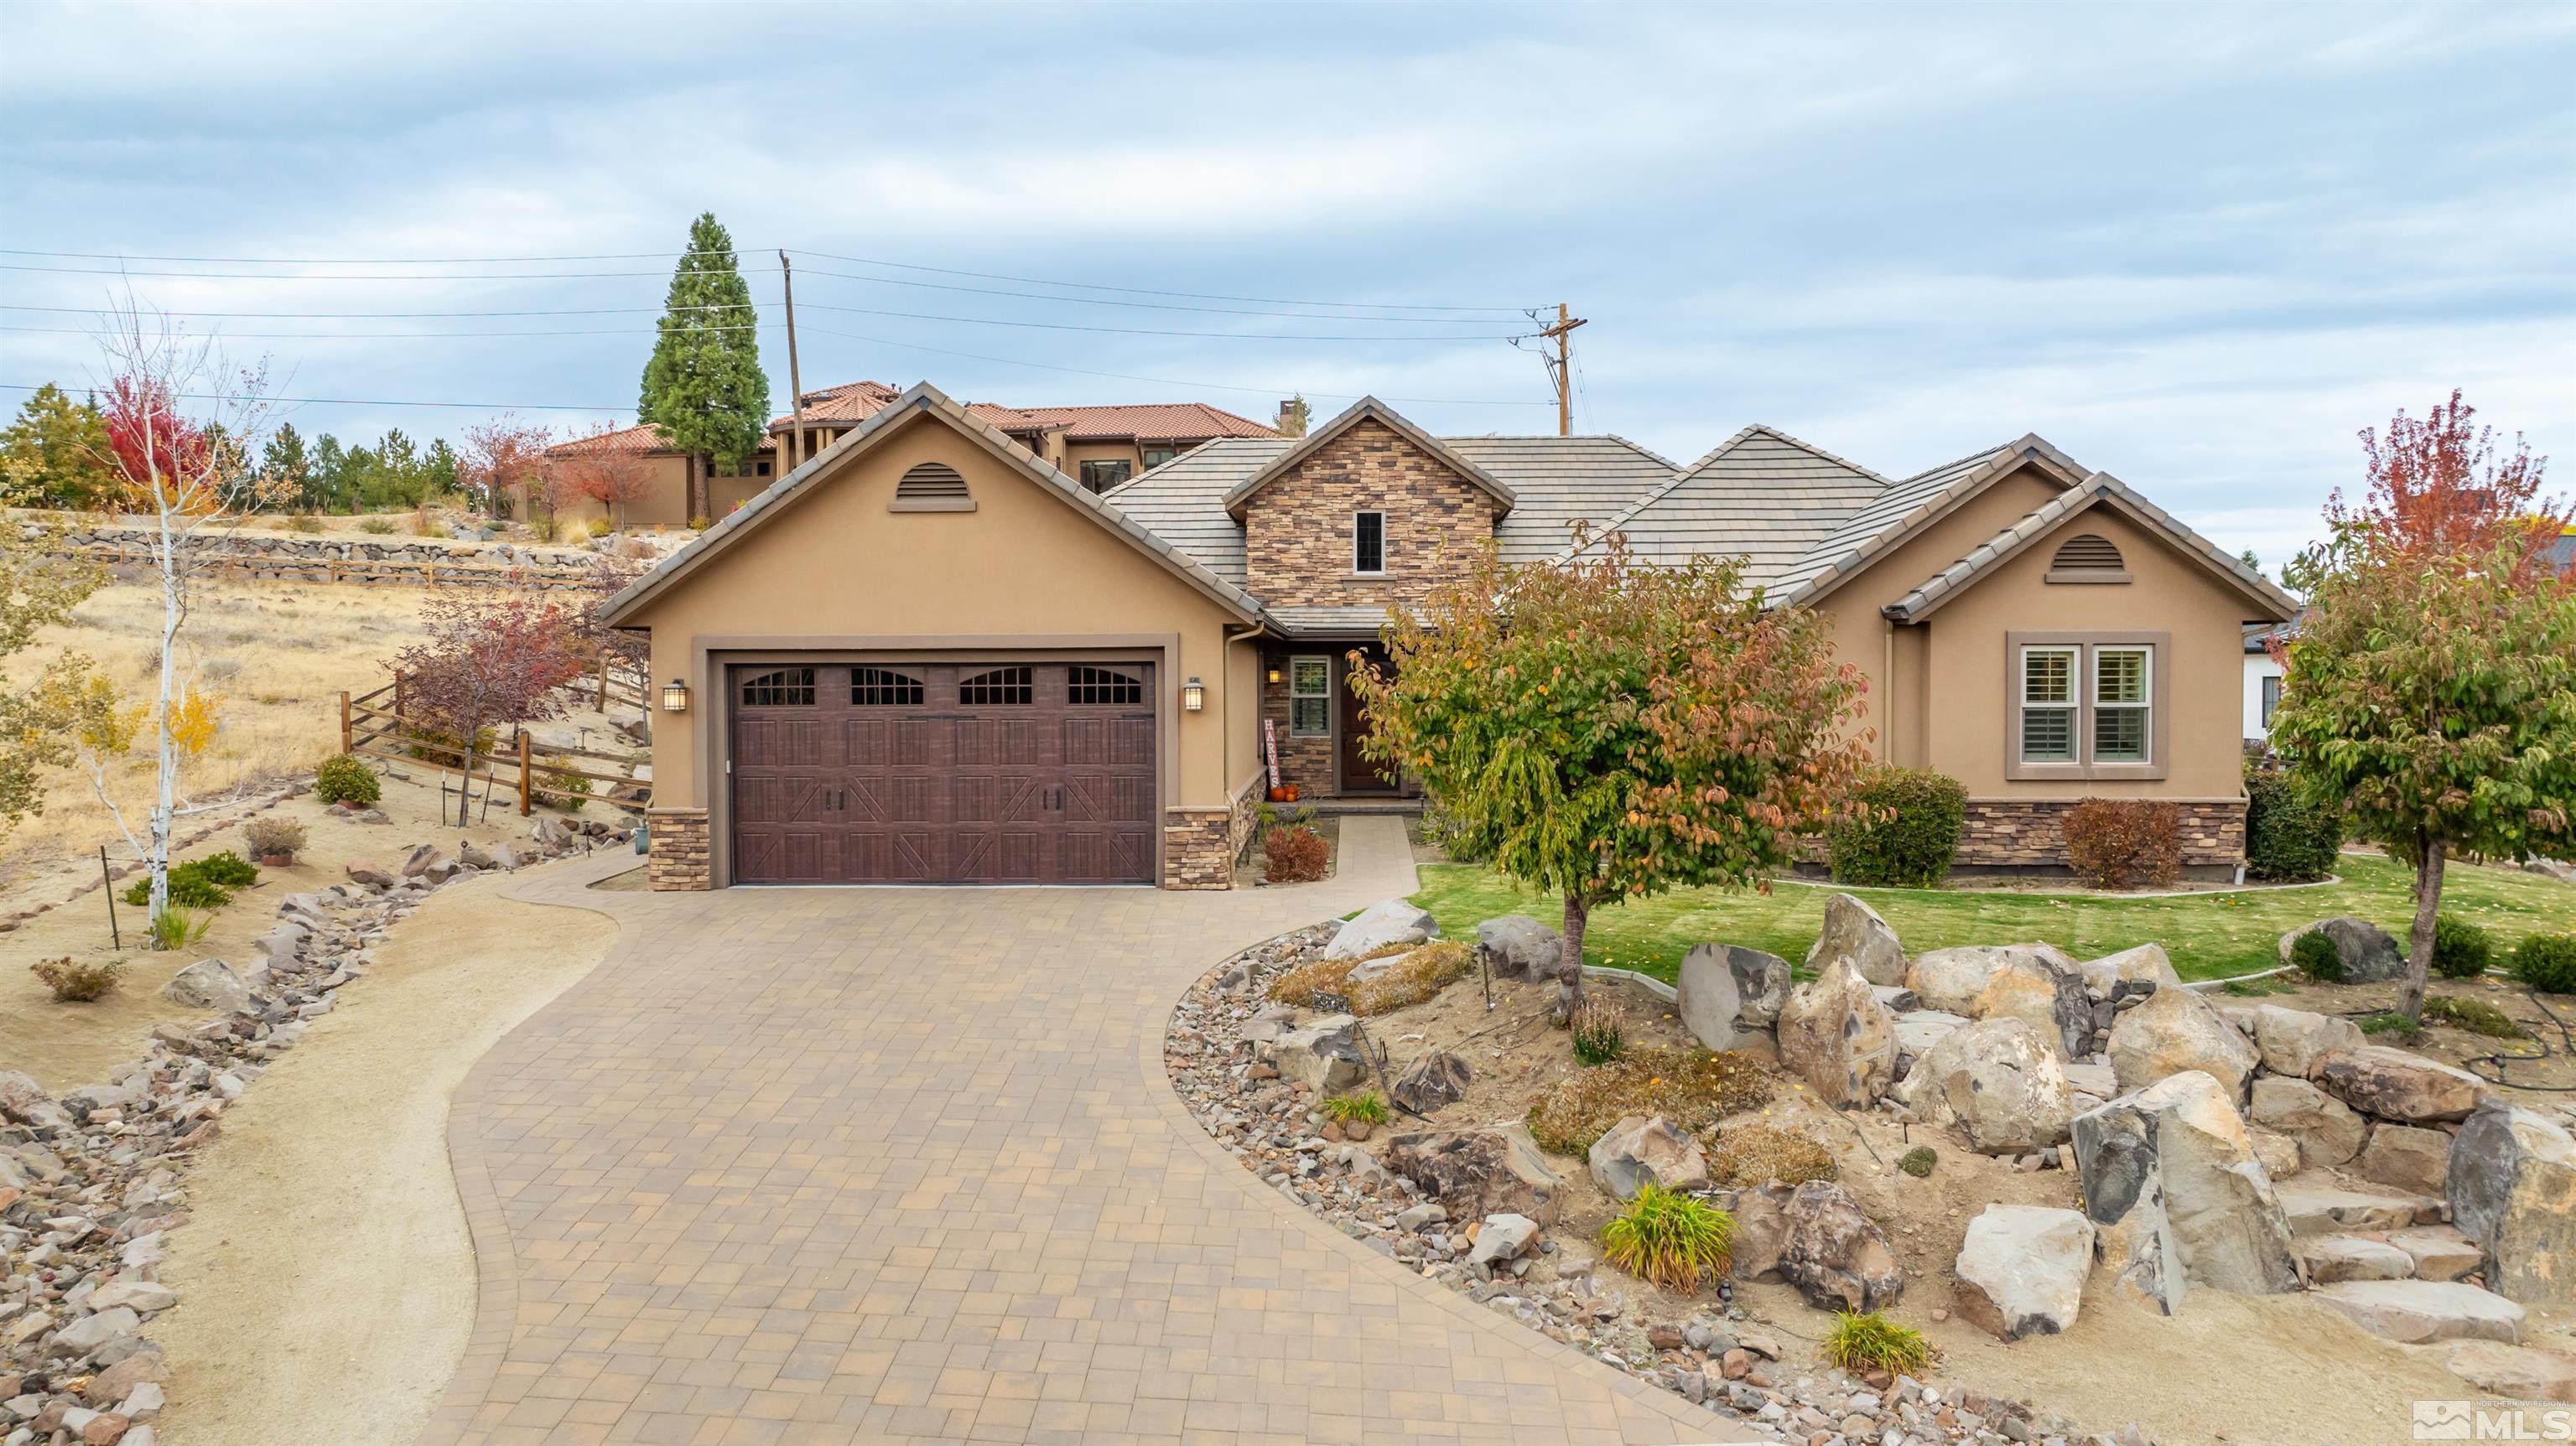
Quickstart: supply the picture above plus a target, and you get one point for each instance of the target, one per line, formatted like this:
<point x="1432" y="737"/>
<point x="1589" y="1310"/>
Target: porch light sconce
<point x="1193" y="696"/>
<point x="1274" y="676"/>
<point x="675" y="696"/>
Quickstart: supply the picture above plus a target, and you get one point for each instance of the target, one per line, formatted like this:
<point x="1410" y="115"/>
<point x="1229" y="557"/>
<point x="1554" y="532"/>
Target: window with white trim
<point x="2048" y="705"/>
<point x="2271" y="698"/>
<point x="2123" y="704"/>
<point x="1310" y="697"/>
<point x="1368" y="542"/>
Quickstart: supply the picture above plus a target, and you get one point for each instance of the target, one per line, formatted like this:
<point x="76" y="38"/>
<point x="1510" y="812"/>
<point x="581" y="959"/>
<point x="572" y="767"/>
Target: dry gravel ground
<point x="326" y="1278"/>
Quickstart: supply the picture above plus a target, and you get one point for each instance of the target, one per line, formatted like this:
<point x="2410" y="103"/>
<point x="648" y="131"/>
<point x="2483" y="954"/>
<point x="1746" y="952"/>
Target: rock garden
<point x="94" y="1178"/>
<point x="1969" y="1194"/>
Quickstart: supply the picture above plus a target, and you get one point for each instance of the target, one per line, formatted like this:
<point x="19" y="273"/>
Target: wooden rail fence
<point x="372" y="725"/>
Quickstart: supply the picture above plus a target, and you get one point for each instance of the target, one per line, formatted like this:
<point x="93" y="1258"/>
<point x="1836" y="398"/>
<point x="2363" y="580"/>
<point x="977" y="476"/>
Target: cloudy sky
<point x="2198" y="248"/>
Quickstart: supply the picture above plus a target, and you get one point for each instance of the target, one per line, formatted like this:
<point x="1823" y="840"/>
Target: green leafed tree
<point x="1610" y="730"/>
<point x="329" y="489"/>
<point x="703" y="385"/>
<point x="2431" y="688"/>
<point x="287" y="467"/>
<point x="55" y="453"/>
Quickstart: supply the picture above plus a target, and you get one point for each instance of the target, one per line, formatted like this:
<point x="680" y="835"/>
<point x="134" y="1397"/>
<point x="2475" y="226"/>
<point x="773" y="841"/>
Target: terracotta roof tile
<point x="1173" y="421"/>
<point x="644" y="439"/>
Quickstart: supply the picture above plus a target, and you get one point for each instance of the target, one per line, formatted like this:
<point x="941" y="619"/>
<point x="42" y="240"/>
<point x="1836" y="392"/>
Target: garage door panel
<point x="897" y="857"/>
<point x="780" y="742"/>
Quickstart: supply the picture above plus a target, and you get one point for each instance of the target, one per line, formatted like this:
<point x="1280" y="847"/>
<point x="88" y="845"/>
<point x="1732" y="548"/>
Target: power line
<point x="380" y="335"/>
<point x="1167" y="381"/>
<point x="380" y="276"/>
<point x="1169" y="305"/>
<point x="361" y="260"/>
<point x="1147" y="331"/>
<point x="364" y="402"/>
<point x="403" y="315"/>
<point x="1147" y="291"/>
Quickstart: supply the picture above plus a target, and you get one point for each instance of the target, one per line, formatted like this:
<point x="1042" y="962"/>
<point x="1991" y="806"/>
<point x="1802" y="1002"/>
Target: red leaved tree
<point x="501" y="455"/>
<point x="597" y="469"/>
<point x="2437" y="488"/>
<point x="484" y="661"/>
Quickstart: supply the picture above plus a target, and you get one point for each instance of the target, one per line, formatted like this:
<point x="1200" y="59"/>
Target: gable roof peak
<point x="1366" y="409"/>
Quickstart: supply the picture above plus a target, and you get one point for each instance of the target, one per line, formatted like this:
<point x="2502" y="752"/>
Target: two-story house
<point x="929" y="655"/>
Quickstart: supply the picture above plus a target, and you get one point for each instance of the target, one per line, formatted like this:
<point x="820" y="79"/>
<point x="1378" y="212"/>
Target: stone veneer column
<point x="679" y="859"/>
<point x="1198" y="850"/>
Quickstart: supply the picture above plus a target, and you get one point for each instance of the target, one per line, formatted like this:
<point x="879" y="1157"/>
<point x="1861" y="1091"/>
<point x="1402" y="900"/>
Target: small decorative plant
<point x="1669" y="1238"/>
<point x="2316" y="956"/>
<point x="563" y="789"/>
<point x="1600" y="1033"/>
<point x="2125" y="843"/>
<point x="2461" y="950"/>
<point x="601" y="527"/>
<point x="1420" y="975"/>
<point x="305" y="522"/>
<point x="1357" y="1114"/>
<point x="377" y="526"/>
<point x="1293" y="855"/>
<point x="2393" y="1023"/>
<point x="74" y="982"/>
<point x="701" y="522"/>
<point x="273" y="841"/>
<point x="2474" y="1015"/>
<point x="346" y="779"/>
<point x="1918" y="1162"/>
<point x="1871" y="1341"/>
<point x="2547" y="962"/>
<point x="175" y="928"/>
<point x="1755" y="1153"/>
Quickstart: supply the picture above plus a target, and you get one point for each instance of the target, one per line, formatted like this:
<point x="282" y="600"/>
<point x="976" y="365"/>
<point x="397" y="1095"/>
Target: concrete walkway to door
<point x="808" y="1166"/>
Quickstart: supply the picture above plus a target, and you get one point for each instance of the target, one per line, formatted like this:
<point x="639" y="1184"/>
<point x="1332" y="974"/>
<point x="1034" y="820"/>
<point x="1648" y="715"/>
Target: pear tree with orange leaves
<point x="1609" y="730"/>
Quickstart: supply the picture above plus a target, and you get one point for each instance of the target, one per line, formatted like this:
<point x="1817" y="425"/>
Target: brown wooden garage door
<point x="943" y="773"/>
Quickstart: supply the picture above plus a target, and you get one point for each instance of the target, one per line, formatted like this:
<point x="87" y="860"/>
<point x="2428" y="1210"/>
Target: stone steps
<point x="2417" y="1312"/>
<point x="2318" y="1203"/>
<point x="2424" y="1252"/>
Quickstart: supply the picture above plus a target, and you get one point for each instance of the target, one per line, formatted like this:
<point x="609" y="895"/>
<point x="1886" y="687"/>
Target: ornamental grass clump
<point x="2474" y="1015"/>
<point x="1599" y="1033"/>
<point x="1417" y="977"/>
<point x="1368" y="1107"/>
<point x="1693" y="1088"/>
<point x="1872" y="1341"/>
<point x="1669" y="1238"/>
<point x="1757" y="1154"/>
<point x="1312" y="982"/>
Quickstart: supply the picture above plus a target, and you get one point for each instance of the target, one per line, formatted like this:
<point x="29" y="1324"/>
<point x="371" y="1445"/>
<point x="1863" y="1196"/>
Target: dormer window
<point x="1368" y="542"/>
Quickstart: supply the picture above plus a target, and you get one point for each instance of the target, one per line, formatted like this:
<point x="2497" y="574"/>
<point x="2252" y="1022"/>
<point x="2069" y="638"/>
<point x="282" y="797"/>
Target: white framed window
<point x="1368" y="542"/>
<point x="2123" y="704"/>
<point x="2271" y="698"/>
<point x="2048" y="704"/>
<point x="1310" y="697"/>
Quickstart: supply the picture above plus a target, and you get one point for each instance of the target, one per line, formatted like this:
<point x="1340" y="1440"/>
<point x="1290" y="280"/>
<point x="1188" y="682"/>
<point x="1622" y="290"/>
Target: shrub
<point x="2547" y="962"/>
<point x="2123" y="843"/>
<point x="1313" y="982"/>
<point x="1293" y="855"/>
<point x="430" y="745"/>
<point x="2285" y="840"/>
<point x="1873" y="1342"/>
<point x="561" y="788"/>
<point x="1693" y="1088"/>
<point x="701" y="522"/>
<point x="226" y="868"/>
<point x="1600" y="1033"/>
<point x="175" y="928"/>
<point x="2392" y="1022"/>
<point x="2474" y="1015"/>
<point x="1918" y="1162"/>
<point x="376" y="525"/>
<point x="601" y="527"/>
<point x="346" y="779"/>
<point x="1669" y="1238"/>
<point x="545" y="526"/>
<point x="305" y="522"/>
<point x="2461" y="950"/>
<point x="74" y="982"/>
<point x="1758" y="1153"/>
<point x="1418" y="976"/>
<point x="188" y="890"/>
<point x="273" y="835"/>
<point x="1368" y="1107"/>
<point x="424" y="523"/>
<point x="2316" y="957"/>
<point x="1912" y="833"/>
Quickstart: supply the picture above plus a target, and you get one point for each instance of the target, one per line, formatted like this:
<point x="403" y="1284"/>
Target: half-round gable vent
<point x="2087" y="553"/>
<point x="931" y="482"/>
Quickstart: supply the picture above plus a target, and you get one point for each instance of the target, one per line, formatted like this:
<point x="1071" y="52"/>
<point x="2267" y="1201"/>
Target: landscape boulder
<point x="473" y="855"/>
<point x="2032" y="988"/>
<point x="2145" y="964"/>
<point x="1834" y="1254"/>
<point x="2173" y="1167"/>
<point x="1761" y="1226"/>
<point x="2177" y="1030"/>
<point x="1999" y="1081"/>
<point x="1388" y="922"/>
<point x="2327" y="1131"/>
<point x="1853" y="930"/>
<point x="1644" y="1150"/>
<point x="1436" y="1079"/>
<point x="2440" y="1252"/>
<point x="2517" y="1373"/>
<point x="374" y="877"/>
<point x="2276" y="1152"/>
<point x="2394" y="1084"/>
<point x="2512" y="1190"/>
<point x="1517" y="946"/>
<point x="1476" y="1173"/>
<point x="208" y="984"/>
<point x="1502" y="1237"/>
<point x="421" y="859"/>
<point x="2021" y="1270"/>
<point x="23" y="1101"/>
<point x="2369" y="956"/>
<point x="2409" y="1157"/>
<point x="1951" y="979"/>
<point x="2329" y="1258"/>
<point x="1322" y="1054"/>
<point x="1836" y="1036"/>
<point x="2294" y="1041"/>
<point x="2415" y="1312"/>
<point x="1917" y="1030"/>
<point x="1727" y="992"/>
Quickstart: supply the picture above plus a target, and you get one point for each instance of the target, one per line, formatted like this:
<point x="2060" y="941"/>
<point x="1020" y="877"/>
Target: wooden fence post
<point x="348" y="734"/>
<point x="523" y="773"/>
<point x="603" y="680"/>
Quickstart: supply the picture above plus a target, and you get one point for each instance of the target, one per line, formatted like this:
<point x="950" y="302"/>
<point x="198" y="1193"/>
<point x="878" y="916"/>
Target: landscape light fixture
<point x="675" y="696"/>
<point x="1193" y="696"/>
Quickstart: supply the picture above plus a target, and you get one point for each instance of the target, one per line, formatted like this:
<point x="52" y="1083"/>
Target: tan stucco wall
<point x="1077" y="453"/>
<point x="835" y="564"/>
<point x="1948" y="708"/>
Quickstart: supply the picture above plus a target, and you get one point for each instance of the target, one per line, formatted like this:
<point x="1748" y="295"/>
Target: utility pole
<point x="795" y="381"/>
<point x="1559" y="366"/>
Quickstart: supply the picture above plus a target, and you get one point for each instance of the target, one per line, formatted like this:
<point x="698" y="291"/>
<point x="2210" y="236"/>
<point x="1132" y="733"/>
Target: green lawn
<point x="2208" y="935"/>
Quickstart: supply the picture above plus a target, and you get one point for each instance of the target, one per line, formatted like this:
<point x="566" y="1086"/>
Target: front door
<point x="1359" y="773"/>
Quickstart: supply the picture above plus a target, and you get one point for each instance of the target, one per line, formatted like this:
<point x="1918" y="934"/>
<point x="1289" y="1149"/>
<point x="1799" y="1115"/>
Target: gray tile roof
<point x="1892" y="511"/>
<point x="1761" y="495"/>
<point x="1183" y="501"/>
<point x="1559" y="480"/>
<point x="1361" y="620"/>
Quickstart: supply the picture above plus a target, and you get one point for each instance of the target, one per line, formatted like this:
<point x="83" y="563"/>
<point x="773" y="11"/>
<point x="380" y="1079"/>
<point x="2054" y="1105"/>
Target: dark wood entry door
<point x="1359" y="773"/>
<point x="940" y="773"/>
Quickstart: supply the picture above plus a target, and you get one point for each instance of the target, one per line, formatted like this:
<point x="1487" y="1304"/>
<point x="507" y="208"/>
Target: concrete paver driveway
<point x="896" y="1165"/>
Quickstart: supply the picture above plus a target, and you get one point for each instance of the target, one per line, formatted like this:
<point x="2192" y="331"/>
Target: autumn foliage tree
<point x="1610" y="730"/>
<point x="597" y="469"/>
<point x="2431" y="687"/>
<point x="500" y="456"/>
<point x="487" y="660"/>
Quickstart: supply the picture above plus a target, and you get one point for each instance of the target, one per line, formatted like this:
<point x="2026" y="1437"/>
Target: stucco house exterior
<point x="930" y="655"/>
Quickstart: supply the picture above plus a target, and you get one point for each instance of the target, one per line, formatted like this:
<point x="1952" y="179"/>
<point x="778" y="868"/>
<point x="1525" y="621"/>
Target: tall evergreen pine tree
<point x="704" y="386"/>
